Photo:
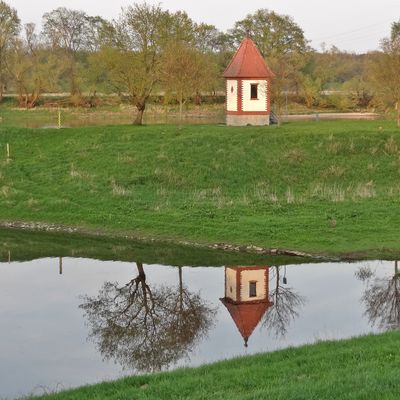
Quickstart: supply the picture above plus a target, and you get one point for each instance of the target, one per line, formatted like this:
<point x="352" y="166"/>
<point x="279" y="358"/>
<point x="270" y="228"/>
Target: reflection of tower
<point x="246" y="297"/>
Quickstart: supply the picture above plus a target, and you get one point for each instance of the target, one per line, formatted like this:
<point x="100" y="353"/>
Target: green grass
<point x="361" y="368"/>
<point x="328" y="187"/>
<point x="114" y="113"/>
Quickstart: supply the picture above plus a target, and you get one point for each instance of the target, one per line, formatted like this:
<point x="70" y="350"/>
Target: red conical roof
<point x="246" y="315"/>
<point x="248" y="63"/>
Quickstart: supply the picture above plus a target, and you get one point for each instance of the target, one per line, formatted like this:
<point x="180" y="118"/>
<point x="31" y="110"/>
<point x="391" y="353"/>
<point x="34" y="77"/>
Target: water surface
<point x="73" y="321"/>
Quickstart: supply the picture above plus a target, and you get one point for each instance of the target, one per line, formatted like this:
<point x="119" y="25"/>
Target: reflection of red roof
<point x="248" y="63"/>
<point x="246" y="315"/>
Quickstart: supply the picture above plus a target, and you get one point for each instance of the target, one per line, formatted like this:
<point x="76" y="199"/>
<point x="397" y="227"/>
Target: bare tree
<point x="286" y="306"/>
<point x="33" y="68"/>
<point x="146" y="329"/>
<point x="188" y="314"/>
<point x="382" y="299"/>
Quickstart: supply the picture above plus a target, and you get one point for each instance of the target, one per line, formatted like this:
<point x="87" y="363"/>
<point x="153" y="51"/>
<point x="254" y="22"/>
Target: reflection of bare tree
<point x="188" y="314"/>
<point x="381" y="298"/>
<point x="143" y="328"/>
<point x="286" y="305"/>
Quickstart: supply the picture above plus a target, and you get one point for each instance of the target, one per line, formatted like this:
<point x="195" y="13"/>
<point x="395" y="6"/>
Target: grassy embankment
<point x="361" y="368"/>
<point x="322" y="187"/>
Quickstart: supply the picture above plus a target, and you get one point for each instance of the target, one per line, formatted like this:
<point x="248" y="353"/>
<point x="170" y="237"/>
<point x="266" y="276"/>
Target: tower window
<point x="253" y="289"/>
<point x="254" y="91"/>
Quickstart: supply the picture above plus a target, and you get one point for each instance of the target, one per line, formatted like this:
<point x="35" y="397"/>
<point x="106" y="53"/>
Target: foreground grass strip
<point x="317" y="187"/>
<point x="361" y="368"/>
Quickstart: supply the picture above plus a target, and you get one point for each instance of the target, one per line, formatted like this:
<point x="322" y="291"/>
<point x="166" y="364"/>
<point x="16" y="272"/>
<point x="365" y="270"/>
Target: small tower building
<point x="248" y="87"/>
<point x="246" y="297"/>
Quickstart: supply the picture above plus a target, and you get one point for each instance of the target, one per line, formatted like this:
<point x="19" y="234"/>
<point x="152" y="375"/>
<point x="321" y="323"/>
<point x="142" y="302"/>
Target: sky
<point x="352" y="25"/>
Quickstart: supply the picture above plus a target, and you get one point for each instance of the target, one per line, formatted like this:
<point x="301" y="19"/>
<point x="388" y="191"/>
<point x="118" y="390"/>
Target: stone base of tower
<point x="244" y="120"/>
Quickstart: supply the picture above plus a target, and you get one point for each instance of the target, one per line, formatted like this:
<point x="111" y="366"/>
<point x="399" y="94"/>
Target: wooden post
<point x="398" y="113"/>
<point x="9" y="256"/>
<point x="60" y="266"/>
<point x="8" y="151"/>
<point x="59" y="118"/>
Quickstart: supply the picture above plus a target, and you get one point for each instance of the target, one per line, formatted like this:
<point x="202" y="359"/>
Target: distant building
<point x="248" y="87"/>
<point x="246" y="297"/>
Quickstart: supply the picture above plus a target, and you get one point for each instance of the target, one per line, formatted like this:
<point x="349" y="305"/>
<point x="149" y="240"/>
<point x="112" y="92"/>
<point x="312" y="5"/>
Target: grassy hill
<point x="362" y="368"/>
<point x="328" y="187"/>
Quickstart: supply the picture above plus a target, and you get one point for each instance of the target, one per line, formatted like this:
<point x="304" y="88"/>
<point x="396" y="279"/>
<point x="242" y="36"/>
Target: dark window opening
<point x="253" y="289"/>
<point x="254" y="91"/>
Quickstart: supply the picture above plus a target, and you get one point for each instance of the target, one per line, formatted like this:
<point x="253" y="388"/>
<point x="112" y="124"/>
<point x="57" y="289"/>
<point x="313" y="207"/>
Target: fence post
<point x="59" y="118"/>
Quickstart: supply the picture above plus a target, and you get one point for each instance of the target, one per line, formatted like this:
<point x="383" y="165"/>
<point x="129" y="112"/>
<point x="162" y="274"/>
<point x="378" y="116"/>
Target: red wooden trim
<point x="225" y="281"/>
<point x="226" y="97"/>
<point x="243" y="268"/>
<point x="240" y="95"/>
<point x="263" y="301"/>
<point x="238" y="285"/>
<point x="244" y="113"/>
<point x="268" y="96"/>
<point x="249" y="78"/>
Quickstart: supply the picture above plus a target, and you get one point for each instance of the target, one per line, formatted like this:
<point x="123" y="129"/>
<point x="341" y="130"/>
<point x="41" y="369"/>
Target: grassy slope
<point x="328" y="186"/>
<point x="362" y="368"/>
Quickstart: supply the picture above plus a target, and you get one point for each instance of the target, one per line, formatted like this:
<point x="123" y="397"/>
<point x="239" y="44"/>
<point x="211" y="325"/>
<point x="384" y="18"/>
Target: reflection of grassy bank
<point x="362" y="368"/>
<point x="323" y="187"/>
<point x="25" y="246"/>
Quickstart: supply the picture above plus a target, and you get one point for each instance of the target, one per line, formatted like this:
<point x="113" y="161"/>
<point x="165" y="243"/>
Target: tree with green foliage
<point x="69" y="33"/>
<point x="131" y="55"/>
<point x="310" y="89"/>
<point x="384" y="73"/>
<point x="274" y="34"/>
<point x="189" y="58"/>
<point x="185" y="72"/>
<point x="9" y="30"/>
<point x="395" y="32"/>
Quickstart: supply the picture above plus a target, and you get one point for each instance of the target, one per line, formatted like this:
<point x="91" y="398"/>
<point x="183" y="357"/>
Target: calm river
<point x="68" y="322"/>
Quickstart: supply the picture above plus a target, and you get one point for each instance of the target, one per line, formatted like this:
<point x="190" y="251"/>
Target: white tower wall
<point x="253" y="276"/>
<point x="259" y="104"/>
<point x="232" y="95"/>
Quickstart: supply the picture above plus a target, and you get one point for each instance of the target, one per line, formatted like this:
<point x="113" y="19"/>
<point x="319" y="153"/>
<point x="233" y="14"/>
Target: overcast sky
<point x="353" y="25"/>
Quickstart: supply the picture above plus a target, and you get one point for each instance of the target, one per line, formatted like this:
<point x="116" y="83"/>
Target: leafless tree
<point x="146" y="329"/>
<point x="382" y="300"/>
<point x="286" y="306"/>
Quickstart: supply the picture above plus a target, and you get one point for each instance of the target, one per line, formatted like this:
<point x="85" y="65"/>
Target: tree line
<point x="148" y="50"/>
